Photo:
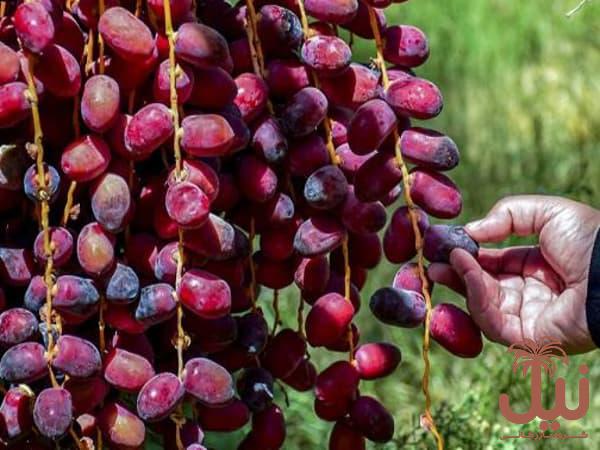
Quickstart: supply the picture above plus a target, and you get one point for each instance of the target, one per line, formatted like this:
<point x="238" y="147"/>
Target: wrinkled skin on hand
<point x="528" y="292"/>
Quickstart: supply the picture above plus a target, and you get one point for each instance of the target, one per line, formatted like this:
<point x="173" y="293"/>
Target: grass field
<point x="522" y="96"/>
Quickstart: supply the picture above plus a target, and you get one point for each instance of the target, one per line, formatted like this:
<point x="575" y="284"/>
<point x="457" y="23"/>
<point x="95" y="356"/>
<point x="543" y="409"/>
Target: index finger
<point x="521" y="215"/>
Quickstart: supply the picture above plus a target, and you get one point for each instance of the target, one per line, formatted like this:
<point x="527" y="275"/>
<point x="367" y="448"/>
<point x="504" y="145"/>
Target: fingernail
<point x="472" y="226"/>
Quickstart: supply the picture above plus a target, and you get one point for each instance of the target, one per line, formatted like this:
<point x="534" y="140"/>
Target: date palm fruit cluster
<point x="161" y="163"/>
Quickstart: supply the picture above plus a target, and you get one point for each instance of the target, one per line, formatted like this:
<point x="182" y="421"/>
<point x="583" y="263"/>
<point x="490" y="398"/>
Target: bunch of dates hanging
<point x="138" y="256"/>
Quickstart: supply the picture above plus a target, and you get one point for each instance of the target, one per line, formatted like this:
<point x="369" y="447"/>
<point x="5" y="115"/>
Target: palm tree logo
<point x="538" y="358"/>
<point x="529" y="354"/>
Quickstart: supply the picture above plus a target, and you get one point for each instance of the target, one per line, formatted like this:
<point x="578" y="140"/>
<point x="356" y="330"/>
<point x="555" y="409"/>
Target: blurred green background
<point x="522" y="95"/>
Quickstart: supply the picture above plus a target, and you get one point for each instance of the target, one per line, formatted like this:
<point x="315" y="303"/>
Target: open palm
<point x="528" y="292"/>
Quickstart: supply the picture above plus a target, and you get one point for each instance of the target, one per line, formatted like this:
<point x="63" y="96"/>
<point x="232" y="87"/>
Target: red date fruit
<point x="24" y="363"/>
<point x="100" y="103"/>
<point x="377" y="360"/>
<point x="216" y="239"/>
<point x="202" y="47"/>
<point x="157" y="304"/>
<point x="95" y="250"/>
<point x="31" y="185"/>
<point x="179" y="9"/>
<point x="111" y="202"/>
<point x="132" y="74"/>
<point x="53" y="412"/>
<point x="327" y="55"/>
<point x="190" y="433"/>
<point x="273" y="274"/>
<point x="187" y="205"/>
<point x="230" y="417"/>
<point x="207" y="381"/>
<point x="64" y="80"/>
<point x="351" y="88"/>
<point x="211" y="335"/>
<point x="304" y="112"/>
<point x="253" y="332"/>
<point x="331" y="411"/>
<point x="340" y="120"/>
<point x="328" y="319"/>
<point x="338" y="383"/>
<point x="16" y="266"/>
<point x="17" y="325"/>
<point x="207" y="135"/>
<point x="337" y="13"/>
<point x="213" y="88"/>
<point x="399" y="238"/>
<point x="15" y="412"/>
<point x="312" y="275"/>
<point x="127" y="371"/>
<point x="284" y="353"/>
<point x="120" y="427"/>
<point x="440" y="240"/>
<point x="277" y="244"/>
<point x="455" y="330"/>
<point x="34" y="26"/>
<point x="74" y="295"/>
<point x="14" y="106"/>
<point x="408" y="278"/>
<point x="344" y="436"/>
<point x="415" y="97"/>
<point x="268" y="140"/>
<point x="435" y="193"/>
<point x="360" y="24"/>
<point x="255" y="387"/>
<point x="277" y="211"/>
<point x="307" y="154"/>
<point x="62" y="241"/>
<point x="350" y="162"/>
<point x="362" y="217"/>
<point x="285" y="77"/>
<point x="326" y="188"/>
<point x="122" y="318"/>
<point x="164" y="263"/>
<point x="87" y="394"/>
<point x="125" y="34"/>
<point x="85" y="159"/>
<point x="204" y="294"/>
<point x="279" y="29"/>
<point x="318" y="235"/>
<point x="87" y="424"/>
<point x="184" y="84"/>
<point x="405" y="45"/>
<point x="165" y="266"/>
<point x="76" y="357"/>
<point x="376" y="177"/>
<point x="372" y="419"/>
<point x="429" y="149"/>
<point x="256" y="180"/>
<point x="268" y="428"/>
<point x="303" y="377"/>
<point x="372" y="123"/>
<point x="148" y="129"/>
<point x="200" y="174"/>
<point x="252" y="96"/>
<point x="159" y="397"/>
<point x="398" y="307"/>
<point x="123" y="285"/>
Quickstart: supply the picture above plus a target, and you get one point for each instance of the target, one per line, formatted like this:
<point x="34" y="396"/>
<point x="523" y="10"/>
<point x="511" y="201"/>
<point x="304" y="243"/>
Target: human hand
<point x="528" y="292"/>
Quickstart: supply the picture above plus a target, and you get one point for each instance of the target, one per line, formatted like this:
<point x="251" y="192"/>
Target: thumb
<point x="522" y="215"/>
